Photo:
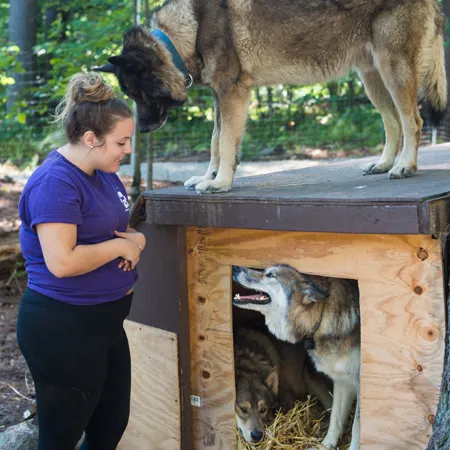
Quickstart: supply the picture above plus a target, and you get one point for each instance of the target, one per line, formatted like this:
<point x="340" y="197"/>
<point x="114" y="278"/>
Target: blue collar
<point x="176" y="58"/>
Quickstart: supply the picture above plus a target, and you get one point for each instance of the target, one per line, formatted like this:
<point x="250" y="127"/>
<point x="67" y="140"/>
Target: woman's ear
<point x="90" y="140"/>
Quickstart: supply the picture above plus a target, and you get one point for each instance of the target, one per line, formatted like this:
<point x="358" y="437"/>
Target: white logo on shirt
<point x="124" y="200"/>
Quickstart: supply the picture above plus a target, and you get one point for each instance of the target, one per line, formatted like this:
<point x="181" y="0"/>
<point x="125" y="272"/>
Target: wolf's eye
<point x="269" y="275"/>
<point x="243" y="410"/>
<point x="263" y="410"/>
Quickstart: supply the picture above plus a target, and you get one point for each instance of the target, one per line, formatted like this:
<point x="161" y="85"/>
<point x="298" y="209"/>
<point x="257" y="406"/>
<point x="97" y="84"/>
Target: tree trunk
<point x="258" y="100"/>
<point x="51" y="14"/>
<point x="270" y="100"/>
<point x="149" y="144"/>
<point x="150" y="153"/>
<point x="136" y="183"/>
<point x="136" y="154"/>
<point x="333" y="90"/>
<point x="22" y="32"/>
<point x="440" y="438"/>
<point x="351" y="93"/>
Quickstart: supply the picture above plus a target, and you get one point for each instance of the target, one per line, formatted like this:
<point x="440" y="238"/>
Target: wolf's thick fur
<point x="233" y="45"/>
<point x="299" y="305"/>
<point x="270" y="374"/>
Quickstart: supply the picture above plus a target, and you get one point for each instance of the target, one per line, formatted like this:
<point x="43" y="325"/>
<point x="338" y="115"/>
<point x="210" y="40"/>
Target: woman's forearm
<point x="86" y="258"/>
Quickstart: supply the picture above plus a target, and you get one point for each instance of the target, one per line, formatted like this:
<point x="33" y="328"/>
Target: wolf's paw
<point x="400" y="171"/>
<point x="326" y="444"/>
<point x="322" y="447"/>
<point x="376" y="168"/>
<point x="212" y="186"/>
<point x="193" y="181"/>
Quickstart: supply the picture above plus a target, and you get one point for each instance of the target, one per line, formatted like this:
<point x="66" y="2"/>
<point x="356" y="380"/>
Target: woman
<point x="80" y="257"/>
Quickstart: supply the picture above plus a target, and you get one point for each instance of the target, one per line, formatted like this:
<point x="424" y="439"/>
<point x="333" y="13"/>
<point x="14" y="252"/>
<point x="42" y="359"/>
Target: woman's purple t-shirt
<point x="58" y="191"/>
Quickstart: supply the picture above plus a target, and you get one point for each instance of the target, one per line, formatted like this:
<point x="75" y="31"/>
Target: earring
<point x="91" y="147"/>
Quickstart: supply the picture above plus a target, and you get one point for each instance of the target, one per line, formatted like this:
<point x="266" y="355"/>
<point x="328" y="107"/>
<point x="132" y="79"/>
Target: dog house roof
<point x="333" y="198"/>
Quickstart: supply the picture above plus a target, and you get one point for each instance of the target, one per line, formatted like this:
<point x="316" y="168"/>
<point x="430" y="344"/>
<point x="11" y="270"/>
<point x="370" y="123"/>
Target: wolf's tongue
<point x="254" y="297"/>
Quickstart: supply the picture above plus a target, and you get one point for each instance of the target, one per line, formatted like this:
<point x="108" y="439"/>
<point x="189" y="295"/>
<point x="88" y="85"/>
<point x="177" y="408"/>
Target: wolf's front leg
<point x="213" y="167"/>
<point x="343" y="397"/>
<point x="355" y="428"/>
<point x="233" y="114"/>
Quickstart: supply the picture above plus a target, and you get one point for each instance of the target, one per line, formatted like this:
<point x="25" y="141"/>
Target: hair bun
<point x="83" y="87"/>
<point x="89" y="87"/>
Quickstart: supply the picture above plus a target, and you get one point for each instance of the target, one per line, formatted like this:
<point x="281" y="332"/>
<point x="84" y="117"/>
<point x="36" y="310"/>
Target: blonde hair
<point x="89" y="103"/>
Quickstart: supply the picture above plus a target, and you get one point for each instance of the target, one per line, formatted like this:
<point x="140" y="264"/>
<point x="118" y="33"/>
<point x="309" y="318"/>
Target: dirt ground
<point x="16" y="386"/>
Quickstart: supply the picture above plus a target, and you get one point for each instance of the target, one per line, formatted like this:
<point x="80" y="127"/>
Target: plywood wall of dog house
<point x="155" y="406"/>
<point x="403" y="324"/>
<point x="211" y="344"/>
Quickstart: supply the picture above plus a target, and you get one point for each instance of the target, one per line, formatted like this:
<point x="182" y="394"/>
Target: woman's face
<point x="115" y="146"/>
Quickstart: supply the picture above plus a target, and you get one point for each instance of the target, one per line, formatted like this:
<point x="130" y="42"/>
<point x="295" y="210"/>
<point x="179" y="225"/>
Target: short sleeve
<point x="53" y="201"/>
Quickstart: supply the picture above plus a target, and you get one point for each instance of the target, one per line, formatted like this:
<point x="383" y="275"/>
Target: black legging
<point x="79" y="359"/>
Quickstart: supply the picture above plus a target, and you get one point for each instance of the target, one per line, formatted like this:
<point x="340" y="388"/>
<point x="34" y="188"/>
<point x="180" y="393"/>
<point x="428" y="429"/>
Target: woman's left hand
<point x="134" y="236"/>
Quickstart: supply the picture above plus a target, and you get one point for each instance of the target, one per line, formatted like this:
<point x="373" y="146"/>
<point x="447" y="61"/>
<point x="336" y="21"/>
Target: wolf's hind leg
<point x="395" y="57"/>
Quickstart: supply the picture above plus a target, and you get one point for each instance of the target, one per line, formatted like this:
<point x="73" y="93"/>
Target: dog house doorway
<point x="281" y="397"/>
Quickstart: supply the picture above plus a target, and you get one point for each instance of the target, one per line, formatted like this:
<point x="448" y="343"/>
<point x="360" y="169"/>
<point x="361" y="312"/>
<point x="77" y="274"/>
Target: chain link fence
<point x="284" y="121"/>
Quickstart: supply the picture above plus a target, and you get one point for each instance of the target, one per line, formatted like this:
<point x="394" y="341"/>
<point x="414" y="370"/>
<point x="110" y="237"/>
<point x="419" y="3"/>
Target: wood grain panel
<point x="155" y="406"/>
<point x="403" y="323"/>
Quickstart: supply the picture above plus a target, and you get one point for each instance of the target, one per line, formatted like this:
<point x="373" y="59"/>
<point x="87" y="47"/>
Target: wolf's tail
<point x="432" y="71"/>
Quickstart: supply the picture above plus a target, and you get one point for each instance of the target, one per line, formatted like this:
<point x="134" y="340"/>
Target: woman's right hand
<point x="131" y="252"/>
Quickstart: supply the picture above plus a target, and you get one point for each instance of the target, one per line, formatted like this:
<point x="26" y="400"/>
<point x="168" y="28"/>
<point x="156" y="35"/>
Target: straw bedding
<point x="302" y="427"/>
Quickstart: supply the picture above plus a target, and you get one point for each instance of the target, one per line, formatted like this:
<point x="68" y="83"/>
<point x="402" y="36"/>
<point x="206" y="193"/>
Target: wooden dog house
<point x="390" y="235"/>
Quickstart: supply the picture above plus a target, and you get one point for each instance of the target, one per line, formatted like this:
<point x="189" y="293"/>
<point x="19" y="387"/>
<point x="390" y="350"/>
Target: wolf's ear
<point x="125" y="62"/>
<point x="272" y="381"/>
<point x="313" y="293"/>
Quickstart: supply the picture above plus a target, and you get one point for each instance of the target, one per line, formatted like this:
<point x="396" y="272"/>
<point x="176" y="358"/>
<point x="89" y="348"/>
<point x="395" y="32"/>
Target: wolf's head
<point x="290" y="301"/>
<point x="147" y="74"/>
<point x="255" y="404"/>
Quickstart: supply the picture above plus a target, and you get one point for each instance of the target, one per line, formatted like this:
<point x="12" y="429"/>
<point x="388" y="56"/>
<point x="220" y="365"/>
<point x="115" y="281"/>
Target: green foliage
<point x="84" y="34"/>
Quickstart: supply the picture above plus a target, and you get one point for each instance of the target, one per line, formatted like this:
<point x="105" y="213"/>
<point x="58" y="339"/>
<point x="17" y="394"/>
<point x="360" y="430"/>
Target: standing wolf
<point x="233" y="45"/>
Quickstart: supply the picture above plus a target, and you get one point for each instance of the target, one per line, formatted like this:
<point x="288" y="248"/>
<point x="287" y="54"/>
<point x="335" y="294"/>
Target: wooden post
<point x="135" y="154"/>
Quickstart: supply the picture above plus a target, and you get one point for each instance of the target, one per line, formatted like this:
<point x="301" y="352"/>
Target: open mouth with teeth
<point x="258" y="298"/>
